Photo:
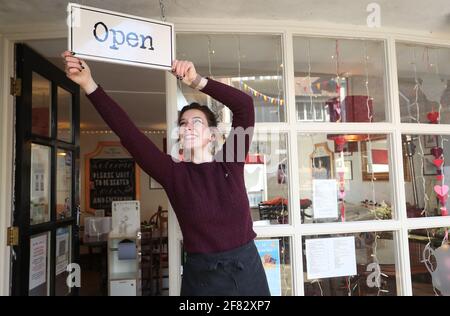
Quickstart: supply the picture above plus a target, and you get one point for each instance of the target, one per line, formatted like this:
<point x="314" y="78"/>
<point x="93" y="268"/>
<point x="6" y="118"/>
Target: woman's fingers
<point x="66" y="53"/>
<point x="74" y="70"/>
<point x="182" y="68"/>
<point x="74" y="65"/>
<point x="72" y="59"/>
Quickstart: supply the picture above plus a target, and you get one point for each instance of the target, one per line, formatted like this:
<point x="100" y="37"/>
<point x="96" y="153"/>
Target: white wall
<point x="150" y="199"/>
<point x="6" y="156"/>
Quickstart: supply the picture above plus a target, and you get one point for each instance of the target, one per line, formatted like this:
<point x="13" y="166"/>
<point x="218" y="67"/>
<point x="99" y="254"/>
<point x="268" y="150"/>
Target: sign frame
<point x="72" y="19"/>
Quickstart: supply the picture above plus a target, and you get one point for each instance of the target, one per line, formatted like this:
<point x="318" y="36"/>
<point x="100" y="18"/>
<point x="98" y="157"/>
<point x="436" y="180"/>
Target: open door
<point x="46" y="191"/>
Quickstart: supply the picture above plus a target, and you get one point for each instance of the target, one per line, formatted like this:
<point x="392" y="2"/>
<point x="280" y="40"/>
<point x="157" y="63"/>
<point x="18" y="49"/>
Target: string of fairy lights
<point x="440" y="188"/>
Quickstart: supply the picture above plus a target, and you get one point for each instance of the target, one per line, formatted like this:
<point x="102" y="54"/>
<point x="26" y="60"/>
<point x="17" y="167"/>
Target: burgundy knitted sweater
<point x="209" y="199"/>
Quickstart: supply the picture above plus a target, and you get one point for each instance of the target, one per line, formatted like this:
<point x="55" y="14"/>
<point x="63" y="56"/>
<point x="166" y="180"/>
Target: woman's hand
<point x="79" y="72"/>
<point x="184" y="70"/>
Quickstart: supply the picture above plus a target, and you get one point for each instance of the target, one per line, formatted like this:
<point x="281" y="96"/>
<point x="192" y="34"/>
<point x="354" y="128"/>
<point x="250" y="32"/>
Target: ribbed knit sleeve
<point x="241" y="105"/>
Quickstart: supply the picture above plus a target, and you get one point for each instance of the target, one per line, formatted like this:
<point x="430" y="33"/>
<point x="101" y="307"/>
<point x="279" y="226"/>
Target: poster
<point x="330" y="257"/>
<point x="111" y="180"/>
<point x="126" y="217"/>
<point x="325" y="198"/>
<point x="38" y="261"/>
<point x="62" y="250"/>
<point x="269" y="251"/>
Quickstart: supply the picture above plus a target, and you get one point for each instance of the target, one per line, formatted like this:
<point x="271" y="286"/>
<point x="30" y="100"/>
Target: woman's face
<point x="194" y="130"/>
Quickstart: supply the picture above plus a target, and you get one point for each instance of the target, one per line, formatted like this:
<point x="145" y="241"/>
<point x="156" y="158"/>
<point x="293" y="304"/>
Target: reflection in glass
<point x="370" y="268"/>
<point x="339" y="180"/>
<point x="251" y="63"/>
<point x="339" y="80"/>
<point x="63" y="184"/>
<point x="39" y="266"/>
<point x="275" y="255"/>
<point x="40" y="184"/>
<point x="266" y="180"/>
<point x="429" y="257"/>
<point x="41" y="105"/>
<point x="423" y="83"/>
<point x="64" y="115"/>
<point x="63" y="258"/>
<point x="428" y="157"/>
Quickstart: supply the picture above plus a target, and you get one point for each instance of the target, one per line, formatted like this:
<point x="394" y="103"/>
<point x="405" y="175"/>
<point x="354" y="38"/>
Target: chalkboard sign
<point x="111" y="180"/>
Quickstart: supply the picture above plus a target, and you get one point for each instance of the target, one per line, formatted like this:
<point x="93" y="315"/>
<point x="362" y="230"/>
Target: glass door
<point x="46" y="191"/>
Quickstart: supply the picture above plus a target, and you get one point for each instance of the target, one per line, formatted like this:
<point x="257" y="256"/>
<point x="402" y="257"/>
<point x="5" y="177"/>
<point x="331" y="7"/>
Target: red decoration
<point x="433" y="117"/>
<point x="441" y="190"/>
<point x="436" y="152"/>
<point x="438" y="163"/>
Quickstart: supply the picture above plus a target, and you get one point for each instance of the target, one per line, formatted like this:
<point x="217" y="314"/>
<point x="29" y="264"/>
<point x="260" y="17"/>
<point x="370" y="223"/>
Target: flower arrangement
<point x="382" y="210"/>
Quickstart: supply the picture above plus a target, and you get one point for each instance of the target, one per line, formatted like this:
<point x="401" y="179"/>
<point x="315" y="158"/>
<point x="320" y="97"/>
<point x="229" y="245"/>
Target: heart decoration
<point x="438" y="163"/>
<point x="443" y="199"/>
<point x="437" y="152"/>
<point x="439" y="177"/>
<point x="444" y="211"/>
<point x="341" y="194"/>
<point x="341" y="175"/>
<point x="433" y="117"/>
<point x="441" y="190"/>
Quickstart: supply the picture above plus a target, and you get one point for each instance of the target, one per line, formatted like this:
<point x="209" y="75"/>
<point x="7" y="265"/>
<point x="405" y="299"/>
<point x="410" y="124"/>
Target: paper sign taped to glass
<point x="115" y="37"/>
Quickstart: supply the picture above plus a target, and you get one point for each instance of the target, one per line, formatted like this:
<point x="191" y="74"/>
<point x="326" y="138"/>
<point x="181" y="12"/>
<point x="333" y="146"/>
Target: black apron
<point x="236" y="272"/>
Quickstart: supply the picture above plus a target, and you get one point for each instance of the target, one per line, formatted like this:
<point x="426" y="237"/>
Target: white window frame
<point x="393" y="128"/>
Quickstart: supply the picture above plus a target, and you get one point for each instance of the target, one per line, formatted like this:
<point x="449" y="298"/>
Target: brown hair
<point x="210" y="116"/>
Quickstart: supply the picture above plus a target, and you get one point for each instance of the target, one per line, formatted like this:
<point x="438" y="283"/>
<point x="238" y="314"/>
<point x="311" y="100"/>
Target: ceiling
<point x="430" y="16"/>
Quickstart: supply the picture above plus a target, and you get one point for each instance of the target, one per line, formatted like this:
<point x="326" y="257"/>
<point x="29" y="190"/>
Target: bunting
<point x="262" y="96"/>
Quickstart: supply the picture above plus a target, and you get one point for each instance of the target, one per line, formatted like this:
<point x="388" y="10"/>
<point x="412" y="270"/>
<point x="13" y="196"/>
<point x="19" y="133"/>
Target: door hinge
<point x="13" y="236"/>
<point x="16" y="87"/>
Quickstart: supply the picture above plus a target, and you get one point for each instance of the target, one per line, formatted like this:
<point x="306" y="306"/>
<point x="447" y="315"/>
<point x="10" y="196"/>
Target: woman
<point x="206" y="191"/>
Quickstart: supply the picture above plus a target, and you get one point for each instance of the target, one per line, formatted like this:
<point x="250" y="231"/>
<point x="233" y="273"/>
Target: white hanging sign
<point x="103" y="35"/>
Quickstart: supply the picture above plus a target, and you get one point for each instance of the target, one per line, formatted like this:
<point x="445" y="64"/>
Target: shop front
<point x="347" y="174"/>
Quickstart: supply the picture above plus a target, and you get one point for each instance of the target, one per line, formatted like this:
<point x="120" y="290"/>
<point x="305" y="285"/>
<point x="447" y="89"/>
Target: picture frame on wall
<point x="429" y="169"/>
<point x="430" y="141"/>
<point x="322" y="162"/>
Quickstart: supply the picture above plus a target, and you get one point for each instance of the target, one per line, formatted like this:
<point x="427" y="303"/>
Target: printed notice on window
<point x="330" y="257"/>
<point x="38" y="261"/>
<point x="325" y="198"/>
